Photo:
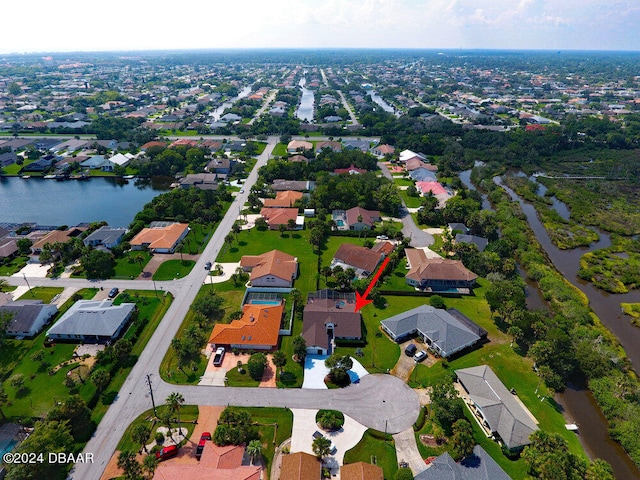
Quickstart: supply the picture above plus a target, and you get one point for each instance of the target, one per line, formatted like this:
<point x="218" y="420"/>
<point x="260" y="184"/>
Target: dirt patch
<point x="430" y="440"/>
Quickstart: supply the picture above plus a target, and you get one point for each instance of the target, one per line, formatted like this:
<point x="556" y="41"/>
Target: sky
<point x="78" y="25"/>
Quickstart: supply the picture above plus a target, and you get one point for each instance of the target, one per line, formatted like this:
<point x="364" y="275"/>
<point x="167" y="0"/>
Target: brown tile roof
<point x="160" y="237"/>
<point x="416" y="163"/>
<point x="361" y="471"/>
<point x="283" y="199"/>
<point x="277" y="216"/>
<point x="184" y="141"/>
<point x="56" y="236"/>
<point x="351" y="169"/>
<point x="357" y="257"/>
<point x="440" y="269"/>
<point x="154" y="143"/>
<point x="275" y="262"/>
<point x="259" y="325"/>
<point x="318" y="312"/>
<point x="221" y="463"/>
<point x="298" y="158"/>
<point x="383" y="247"/>
<point x="384" y="149"/>
<point x="300" y="466"/>
<point x="335" y="146"/>
<point x="299" y="145"/>
<point x="415" y="256"/>
<point x="368" y="216"/>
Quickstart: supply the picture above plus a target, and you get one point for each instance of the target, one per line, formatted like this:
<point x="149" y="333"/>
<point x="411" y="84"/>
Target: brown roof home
<point x="271" y="269"/>
<point x="300" y="466"/>
<point x="160" y="239"/>
<point x="283" y="199"/>
<point x="361" y="471"/>
<point x="258" y="328"/>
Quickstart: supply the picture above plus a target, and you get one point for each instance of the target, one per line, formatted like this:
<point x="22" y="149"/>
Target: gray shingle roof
<point x="92" y="318"/>
<point x="479" y="242"/>
<point x="105" y="235"/>
<point x="479" y="466"/>
<point x="445" y="331"/>
<point x="502" y="411"/>
<point x="24" y="313"/>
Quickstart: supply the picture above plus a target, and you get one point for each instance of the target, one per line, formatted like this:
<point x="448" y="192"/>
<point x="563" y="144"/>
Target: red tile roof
<point x="259" y="325"/>
<point x="160" y="237"/>
<point x="358" y="257"/>
<point x="278" y="216"/>
<point x="275" y="262"/>
<point x="283" y="199"/>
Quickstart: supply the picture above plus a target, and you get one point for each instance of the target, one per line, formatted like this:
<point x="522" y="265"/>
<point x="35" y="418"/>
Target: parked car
<point x="203" y="439"/>
<point x="218" y="356"/>
<point x="410" y="350"/>
<point x="421" y="355"/>
<point x="113" y="293"/>
<point x="382" y="237"/>
<point x="167" y="452"/>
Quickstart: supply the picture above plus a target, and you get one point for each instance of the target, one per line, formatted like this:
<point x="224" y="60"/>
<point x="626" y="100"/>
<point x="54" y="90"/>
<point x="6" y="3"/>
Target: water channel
<point x="380" y="101"/>
<point x="218" y="112"/>
<point x="51" y="202"/>
<point x="577" y="401"/>
<point x="305" y="109"/>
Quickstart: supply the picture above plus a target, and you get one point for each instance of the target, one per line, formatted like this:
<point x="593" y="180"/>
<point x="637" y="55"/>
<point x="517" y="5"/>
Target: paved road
<point x="347" y="107"/>
<point x="419" y="238"/>
<point x="267" y="101"/>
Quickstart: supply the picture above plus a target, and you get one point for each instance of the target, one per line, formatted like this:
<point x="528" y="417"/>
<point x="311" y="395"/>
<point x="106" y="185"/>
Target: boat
<point x="49" y="177"/>
<point x="81" y="176"/>
<point x="26" y="176"/>
<point x="129" y="177"/>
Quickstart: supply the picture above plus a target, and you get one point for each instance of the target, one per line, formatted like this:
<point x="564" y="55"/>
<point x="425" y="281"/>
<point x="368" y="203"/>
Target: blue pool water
<point x="9" y="448"/>
<point x="340" y="223"/>
<point x="265" y="302"/>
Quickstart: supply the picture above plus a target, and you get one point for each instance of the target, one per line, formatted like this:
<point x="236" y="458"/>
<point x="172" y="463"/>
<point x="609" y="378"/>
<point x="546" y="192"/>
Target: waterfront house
<point x="92" y="321"/>
<point x="201" y="181"/>
<point x="498" y="410"/>
<point x="445" y="332"/>
<point x="160" y="237"/>
<point x="98" y="162"/>
<point x="105" y="236"/>
<point x="437" y="274"/>
<point x="479" y="242"/>
<point x="478" y="466"/>
<point x="51" y="238"/>
<point x="271" y="269"/>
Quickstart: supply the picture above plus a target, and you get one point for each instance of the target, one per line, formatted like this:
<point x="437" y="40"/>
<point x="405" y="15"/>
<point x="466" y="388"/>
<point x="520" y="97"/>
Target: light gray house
<point x="497" y="408"/>
<point x="92" y="321"/>
<point x="479" y="242"/>
<point x="445" y="331"/>
<point x="27" y="317"/>
<point x="478" y="466"/>
<point x="106" y="236"/>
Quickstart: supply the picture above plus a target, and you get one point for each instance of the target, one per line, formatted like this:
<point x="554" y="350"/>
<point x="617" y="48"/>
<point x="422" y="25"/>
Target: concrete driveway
<point x="407" y="451"/>
<point x="304" y="426"/>
<point x="405" y="364"/>
<point x="315" y="371"/>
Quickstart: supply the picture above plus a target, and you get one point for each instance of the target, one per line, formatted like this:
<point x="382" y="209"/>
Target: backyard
<point x="375" y="447"/>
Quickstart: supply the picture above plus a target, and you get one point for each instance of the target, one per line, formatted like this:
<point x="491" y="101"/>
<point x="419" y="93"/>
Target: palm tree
<point x="140" y="434"/>
<point x="236" y="230"/>
<point x="149" y="464"/>
<point x="181" y="248"/>
<point x="254" y="450"/>
<point x="321" y="446"/>
<point x="175" y="401"/>
<point x="279" y="359"/>
<point x="139" y="258"/>
<point x="4" y="398"/>
<point x="326" y="272"/>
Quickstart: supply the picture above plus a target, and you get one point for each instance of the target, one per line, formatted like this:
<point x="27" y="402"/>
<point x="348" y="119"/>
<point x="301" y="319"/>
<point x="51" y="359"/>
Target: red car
<point x="167" y="452"/>
<point x="203" y="439"/>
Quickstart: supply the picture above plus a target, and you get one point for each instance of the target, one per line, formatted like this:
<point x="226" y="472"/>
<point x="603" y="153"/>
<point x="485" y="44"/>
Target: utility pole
<point x="151" y="392"/>
<point x="28" y="286"/>
<point x="154" y="288"/>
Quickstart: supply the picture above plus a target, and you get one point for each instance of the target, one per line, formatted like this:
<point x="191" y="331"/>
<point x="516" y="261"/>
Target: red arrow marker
<point x="362" y="300"/>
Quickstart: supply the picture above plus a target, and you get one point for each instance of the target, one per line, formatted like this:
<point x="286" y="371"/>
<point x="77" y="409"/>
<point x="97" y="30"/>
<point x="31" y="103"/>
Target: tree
<point x="321" y="446"/>
<point x="445" y="404"/>
<point x="254" y="450"/>
<point x="149" y="465"/>
<point x="3" y="284"/>
<point x="282" y="228"/>
<point x="180" y="248"/>
<point x="330" y="419"/>
<point x="279" y="359"/>
<point x="4" y="398"/>
<point x="208" y="305"/>
<point x="140" y="434"/>
<point x="291" y="224"/>
<point x="101" y="379"/>
<point x="75" y="410"/>
<point x="326" y="272"/>
<point x="256" y="365"/>
<point x="462" y="439"/>
<point x="437" y="301"/>
<point x="38" y="357"/>
<point x="129" y="465"/>
<point x="299" y="348"/>
<point x="236" y="230"/>
<point x="599" y="470"/>
<point x="175" y="401"/>
<point x="17" y="382"/>
<point x="338" y="366"/>
<point x="98" y="264"/>
<point x="24" y="244"/>
<point x="234" y="428"/>
<point x="548" y="457"/>
<point x="14" y="89"/>
<point x="47" y="436"/>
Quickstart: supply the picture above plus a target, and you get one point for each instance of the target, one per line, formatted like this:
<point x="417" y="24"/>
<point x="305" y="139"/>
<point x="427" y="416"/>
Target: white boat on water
<point x="26" y="176"/>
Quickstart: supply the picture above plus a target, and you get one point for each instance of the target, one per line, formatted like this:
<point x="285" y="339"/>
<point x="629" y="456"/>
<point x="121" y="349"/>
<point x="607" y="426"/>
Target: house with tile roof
<point x="271" y="269"/>
<point x="284" y="199"/>
<point x="329" y="316"/>
<point x="361" y="471"/>
<point x="496" y="407"/>
<point x="160" y="239"/>
<point x="219" y="463"/>
<point x="27" y="317"/>
<point x="356" y="218"/>
<point x="280" y="184"/>
<point x="437" y="274"/>
<point x="445" y="332"/>
<point x="299" y="146"/>
<point x="52" y="237"/>
<point x="92" y="321"/>
<point x="257" y="329"/>
<point x="330" y="145"/>
<point x="300" y="466"/>
<point x="281" y="216"/>
<point x="363" y="260"/>
<point x="478" y="466"/>
<point x="382" y="150"/>
<point x="350" y="170"/>
<point x="417" y="163"/>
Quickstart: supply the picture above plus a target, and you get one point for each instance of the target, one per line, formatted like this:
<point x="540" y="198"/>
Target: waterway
<point x="218" y="112"/>
<point x="305" y="109"/>
<point x="50" y="202"/>
<point x="577" y="402"/>
<point x="380" y="101"/>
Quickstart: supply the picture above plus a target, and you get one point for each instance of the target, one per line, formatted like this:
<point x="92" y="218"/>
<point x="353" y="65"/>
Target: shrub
<point x="256" y="365"/>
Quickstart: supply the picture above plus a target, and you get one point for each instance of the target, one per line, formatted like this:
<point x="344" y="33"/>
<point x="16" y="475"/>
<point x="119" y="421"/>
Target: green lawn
<point x="374" y="448"/>
<point x="42" y="293"/>
<point x="14" y="266"/>
<point x="280" y="150"/>
<point x="131" y="264"/>
<point x="173" y="269"/>
<point x="188" y="415"/>
<point x="198" y="237"/>
<point x="237" y="379"/>
<point x="403" y="182"/>
<point x="274" y="427"/>
<point x="410" y="202"/>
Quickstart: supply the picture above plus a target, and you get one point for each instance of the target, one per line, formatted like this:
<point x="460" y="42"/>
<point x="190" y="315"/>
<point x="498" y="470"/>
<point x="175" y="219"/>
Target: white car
<point x="421" y="355"/>
<point x="382" y="237"/>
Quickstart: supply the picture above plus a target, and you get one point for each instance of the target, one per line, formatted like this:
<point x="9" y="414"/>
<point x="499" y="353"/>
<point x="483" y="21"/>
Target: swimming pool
<point x="340" y="223"/>
<point x="9" y="447"/>
<point x="265" y="302"/>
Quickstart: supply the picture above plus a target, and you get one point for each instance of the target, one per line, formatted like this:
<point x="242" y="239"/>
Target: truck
<point x="218" y="356"/>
